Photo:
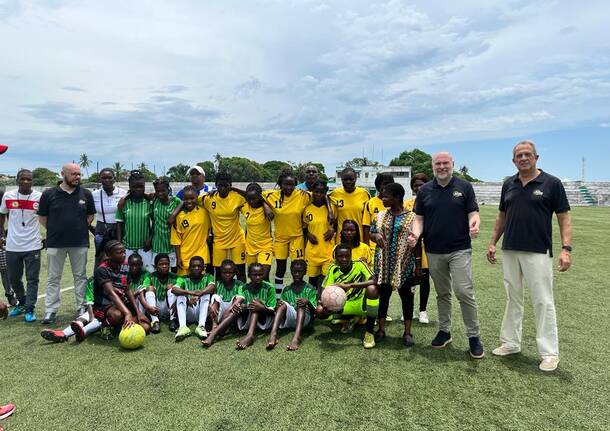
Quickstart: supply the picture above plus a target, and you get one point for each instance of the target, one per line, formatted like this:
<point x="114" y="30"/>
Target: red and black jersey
<point x="107" y="272"/>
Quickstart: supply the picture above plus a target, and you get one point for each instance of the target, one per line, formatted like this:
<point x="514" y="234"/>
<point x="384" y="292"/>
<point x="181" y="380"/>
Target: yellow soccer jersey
<point x="362" y="253"/>
<point x="316" y="219"/>
<point x="373" y="207"/>
<point x="350" y="206"/>
<point x="410" y="204"/>
<point x="224" y="215"/>
<point x="288" y="211"/>
<point x="258" y="230"/>
<point x="191" y="234"/>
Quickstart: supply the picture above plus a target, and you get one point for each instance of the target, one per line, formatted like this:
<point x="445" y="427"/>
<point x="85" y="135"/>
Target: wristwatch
<point x="567" y="248"/>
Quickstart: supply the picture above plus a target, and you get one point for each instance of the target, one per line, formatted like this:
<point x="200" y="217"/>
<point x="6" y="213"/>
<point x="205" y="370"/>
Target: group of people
<point x="204" y="256"/>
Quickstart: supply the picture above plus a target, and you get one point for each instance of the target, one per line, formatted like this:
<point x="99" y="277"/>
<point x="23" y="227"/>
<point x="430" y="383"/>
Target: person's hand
<point x="380" y="241"/>
<point x="193" y="301"/>
<point x="129" y="321"/>
<point x="152" y="310"/>
<point x="491" y="254"/>
<point x="311" y="238"/>
<point x="412" y="240"/>
<point x="302" y="302"/>
<point x="256" y="305"/>
<point x="236" y="308"/>
<point x="329" y="234"/>
<point x="565" y="260"/>
<point x="474" y="228"/>
<point x="147" y="244"/>
<point x="171" y="220"/>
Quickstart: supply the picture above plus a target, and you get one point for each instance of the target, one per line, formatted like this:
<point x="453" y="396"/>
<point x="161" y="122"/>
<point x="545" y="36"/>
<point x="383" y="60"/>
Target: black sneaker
<point x="49" y="319"/>
<point x="441" y="340"/>
<point x="476" y="348"/>
<point x="173" y="325"/>
<point x="156" y="327"/>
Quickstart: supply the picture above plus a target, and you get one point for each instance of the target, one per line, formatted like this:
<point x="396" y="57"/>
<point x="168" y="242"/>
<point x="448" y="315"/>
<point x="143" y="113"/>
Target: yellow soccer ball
<point x="133" y="337"/>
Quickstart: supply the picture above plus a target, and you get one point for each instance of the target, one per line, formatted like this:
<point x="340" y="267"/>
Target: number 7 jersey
<point x="258" y="230"/>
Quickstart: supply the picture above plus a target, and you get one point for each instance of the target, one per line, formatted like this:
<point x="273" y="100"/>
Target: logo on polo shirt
<point x="457" y="194"/>
<point x="35" y="206"/>
<point x="15" y="204"/>
<point x="81" y="202"/>
<point x="538" y="193"/>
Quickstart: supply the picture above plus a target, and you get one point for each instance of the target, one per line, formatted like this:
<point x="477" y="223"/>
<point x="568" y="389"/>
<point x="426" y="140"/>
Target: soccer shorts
<point x="316" y="268"/>
<point x="357" y="306"/>
<point x="290" y="322"/>
<point x="264" y="258"/>
<point x="172" y="259"/>
<point x="264" y="322"/>
<point x="223" y="306"/>
<point x="237" y="254"/>
<point x="163" y="310"/>
<point x="147" y="262"/>
<point x="293" y="248"/>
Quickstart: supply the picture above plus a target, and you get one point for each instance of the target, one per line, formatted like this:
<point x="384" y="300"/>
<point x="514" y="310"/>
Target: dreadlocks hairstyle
<point x="356" y="241"/>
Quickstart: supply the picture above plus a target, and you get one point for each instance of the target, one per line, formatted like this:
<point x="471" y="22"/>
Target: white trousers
<point x="535" y="270"/>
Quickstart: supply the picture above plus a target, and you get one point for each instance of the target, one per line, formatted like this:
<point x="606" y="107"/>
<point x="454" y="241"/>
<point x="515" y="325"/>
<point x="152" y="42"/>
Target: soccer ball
<point x="132" y="338"/>
<point x="333" y="298"/>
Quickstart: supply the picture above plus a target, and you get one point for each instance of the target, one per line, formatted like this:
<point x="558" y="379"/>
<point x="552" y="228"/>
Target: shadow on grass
<point x="528" y="365"/>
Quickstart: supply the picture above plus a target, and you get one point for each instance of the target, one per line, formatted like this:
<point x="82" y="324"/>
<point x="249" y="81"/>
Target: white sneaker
<point x="549" y="364"/>
<point x="423" y="317"/>
<point x="504" y="351"/>
<point x="402" y="318"/>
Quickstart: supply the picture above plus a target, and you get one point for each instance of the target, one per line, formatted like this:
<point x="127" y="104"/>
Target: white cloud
<point x="300" y="76"/>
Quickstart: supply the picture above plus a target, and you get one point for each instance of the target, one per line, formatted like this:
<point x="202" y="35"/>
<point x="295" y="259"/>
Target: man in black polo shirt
<point x="66" y="212"/>
<point x="448" y="215"/>
<point x="527" y="204"/>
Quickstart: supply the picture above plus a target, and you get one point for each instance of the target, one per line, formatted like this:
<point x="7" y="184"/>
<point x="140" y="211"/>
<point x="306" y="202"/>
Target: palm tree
<point x="84" y="162"/>
<point x="118" y="169"/>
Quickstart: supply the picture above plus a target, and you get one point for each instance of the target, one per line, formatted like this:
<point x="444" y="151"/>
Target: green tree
<point x="242" y="169"/>
<point x="418" y="160"/>
<point x="358" y="162"/>
<point x="44" y="177"/>
<point x="274" y="168"/>
<point x="210" y="170"/>
<point x="84" y="162"/>
<point x="148" y="174"/>
<point x="93" y="178"/>
<point x="178" y="173"/>
<point x="120" y="173"/>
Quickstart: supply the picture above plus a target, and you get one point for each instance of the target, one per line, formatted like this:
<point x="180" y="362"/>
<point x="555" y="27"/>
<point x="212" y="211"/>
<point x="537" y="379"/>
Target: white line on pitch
<point x="61" y="291"/>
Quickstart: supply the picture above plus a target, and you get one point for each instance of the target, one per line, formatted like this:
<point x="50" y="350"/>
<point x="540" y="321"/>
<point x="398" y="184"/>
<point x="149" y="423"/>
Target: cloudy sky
<point x="169" y="82"/>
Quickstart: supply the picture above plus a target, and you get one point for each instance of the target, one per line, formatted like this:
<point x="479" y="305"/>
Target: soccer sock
<point x="68" y="332"/>
<point x="204" y="303"/>
<point x="181" y="310"/>
<point x="92" y="326"/>
<point x="279" y="286"/>
<point x="371" y="315"/>
<point x="171" y="300"/>
<point x="151" y="300"/>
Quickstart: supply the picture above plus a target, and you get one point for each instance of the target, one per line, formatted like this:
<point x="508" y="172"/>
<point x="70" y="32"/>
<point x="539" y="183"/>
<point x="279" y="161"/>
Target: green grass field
<point x="332" y="382"/>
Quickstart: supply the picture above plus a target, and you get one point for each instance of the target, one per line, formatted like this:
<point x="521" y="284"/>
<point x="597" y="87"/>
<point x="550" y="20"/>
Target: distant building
<point x="365" y="176"/>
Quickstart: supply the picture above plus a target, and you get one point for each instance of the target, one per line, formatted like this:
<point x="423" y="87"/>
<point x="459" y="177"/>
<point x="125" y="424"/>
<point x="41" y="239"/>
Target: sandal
<point x="379" y="336"/>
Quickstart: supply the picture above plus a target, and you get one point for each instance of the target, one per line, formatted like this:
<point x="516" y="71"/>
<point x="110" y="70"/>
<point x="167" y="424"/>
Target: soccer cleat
<point x="388" y="319"/>
<point x="79" y="330"/>
<point x="17" y="310"/>
<point x="49" y="318"/>
<point x="155" y="327"/>
<point x="182" y="333"/>
<point x="504" y="351"/>
<point x="7" y="410"/>
<point x="12" y="300"/>
<point x="476" y="348"/>
<point x="369" y="340"/>
<point x="53" y="336"/>
<point x="29" y="317"/>
<point x="106" y="333"/>
<point x="441" y="340"/>
<point x="549" y="364"/>
<point x="201" y="332"/>
<point x="423" y="317"/>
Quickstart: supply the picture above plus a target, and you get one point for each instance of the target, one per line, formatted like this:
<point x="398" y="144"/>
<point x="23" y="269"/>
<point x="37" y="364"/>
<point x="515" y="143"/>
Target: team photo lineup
<point x="215" y="259"/>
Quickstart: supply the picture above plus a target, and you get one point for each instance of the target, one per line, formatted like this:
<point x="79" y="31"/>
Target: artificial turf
<point x="332" y="382"/>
